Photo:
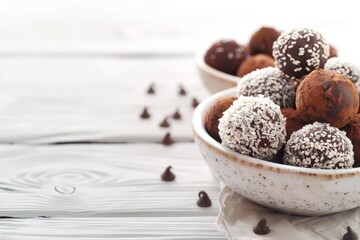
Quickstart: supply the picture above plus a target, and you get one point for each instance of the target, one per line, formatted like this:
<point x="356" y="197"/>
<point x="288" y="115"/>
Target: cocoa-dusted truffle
<point x="215" y="113"/>
<point x="352" y="130"/>
<point x="293" y="121"/>
<point x="326" y="96"/>
<point x="253" y="63"/>
<point x="333" y="52"/>
<point x="300" y="51"/>
<point x="345" y="68"/>
<point x="319" y="145"/>
<point x="270" y="82"/>
<point x="225" y="56"/>
<point x="253" y="126"/>
<point x="262" y="41"/>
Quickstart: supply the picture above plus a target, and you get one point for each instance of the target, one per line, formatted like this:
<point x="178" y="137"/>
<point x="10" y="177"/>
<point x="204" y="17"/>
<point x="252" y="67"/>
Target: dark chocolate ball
<point x="253" y="63"/>
<point x="326" y="96"/>
<point x="352" y="130"/>
<point x="293" y="121"/>
<point x="299" y="52"/>
<point x="319" y="145"/>
<point x="215" y="113"/>
<point x="262" y="41"/>
<point x="226" y="56"/>
<point x="333" y="52"/>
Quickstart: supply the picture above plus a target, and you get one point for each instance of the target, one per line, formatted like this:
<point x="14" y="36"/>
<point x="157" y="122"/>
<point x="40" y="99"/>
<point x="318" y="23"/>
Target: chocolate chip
<point x="176" y="115"/>
<point x="350" y="235"/>
<point x="194" y="103"/>
<point x="168" y="176"/>
<point x="261" y="228"/>
<point x="167" y="140"/>
<point x="204" y="200"/>
<point x="164" y="123"/>
<point x="151" y="89"/>
<point x="145" y="114"/>
<point x="182" y="91"/>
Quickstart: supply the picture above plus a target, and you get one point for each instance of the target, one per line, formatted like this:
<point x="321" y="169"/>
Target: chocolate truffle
<point x="353" y="133"/>
<point x="300" y="51"/>
<point x="214" y="114"/>
<point x="270" y="82"/>
<point x="319" y="145"/>
<point x="333" y="52"/>
<point x="326" y="96"/>
<point x="345" y="68"/>
<point x="253" y="63"/>
<point x="293" y="121"/>
<point x="225" y="56"/>
<point x="262" y="41"/>
<point x="253" y="126"/>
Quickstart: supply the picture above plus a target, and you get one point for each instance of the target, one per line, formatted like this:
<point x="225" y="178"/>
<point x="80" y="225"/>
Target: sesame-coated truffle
<point x="215" y="113"/>
<point x="352" y="130"/>
<point x="299" y="52"/>
<point x="270" y="82"/>
<point x="326" y="96"/>
<point x="253" y="63"/>
<point x="262" y="41"/>
<point x="342" y="67"/>
<point x="293" y="121"/>
<point x="253" y="126"/>
<point x="226" y="56"/>
<point x="319" y="145"/>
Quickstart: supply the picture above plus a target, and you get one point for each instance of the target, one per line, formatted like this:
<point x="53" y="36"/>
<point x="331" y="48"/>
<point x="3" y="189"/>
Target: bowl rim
<point x="200" y="62"/>
<point x="200" y="132"/>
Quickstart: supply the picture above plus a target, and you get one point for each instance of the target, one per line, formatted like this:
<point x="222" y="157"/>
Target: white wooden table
<point x="76" y="160"/>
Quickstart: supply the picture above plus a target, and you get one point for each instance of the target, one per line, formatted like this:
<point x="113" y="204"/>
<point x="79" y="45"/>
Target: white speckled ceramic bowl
<point x="214" y="80"/>
<point x="289" y="189"/>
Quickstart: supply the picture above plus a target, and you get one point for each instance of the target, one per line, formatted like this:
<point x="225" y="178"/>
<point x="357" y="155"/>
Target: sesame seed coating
<point x="300" y="51"/>
<point x="319" y="145"/>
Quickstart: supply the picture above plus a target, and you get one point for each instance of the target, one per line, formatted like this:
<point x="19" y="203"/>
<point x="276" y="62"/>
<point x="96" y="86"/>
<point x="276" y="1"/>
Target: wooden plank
<point x="103" y="180"/>
<point x="95" y="99"/>
<point x="105" y="191"/>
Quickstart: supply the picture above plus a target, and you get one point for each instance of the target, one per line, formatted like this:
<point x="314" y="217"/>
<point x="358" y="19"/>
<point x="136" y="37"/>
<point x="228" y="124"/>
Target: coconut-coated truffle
<point x="262" y="41"/>
<point x="352" y="130"/>
<point x="326" y="96"/>
<point x="214" y="113"/>
<point x="226" y="56"/>
<point x="319" y="145"/>
<point x="300" y="51"/>
<point x="253" y="126"/>
<point x="345" y="68"/>
<point x="253" y="63"/>
<point x="293" y="121"/>
<point x="270" y="82"/>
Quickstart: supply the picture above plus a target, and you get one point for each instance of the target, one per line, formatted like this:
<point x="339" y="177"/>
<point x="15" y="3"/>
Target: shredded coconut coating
<point x="300" y="51"/>
<point x="253" y="126"/>
<point x="349" y="70"/>
<point x="270" y="82"/>
<point x="319" y="145"/>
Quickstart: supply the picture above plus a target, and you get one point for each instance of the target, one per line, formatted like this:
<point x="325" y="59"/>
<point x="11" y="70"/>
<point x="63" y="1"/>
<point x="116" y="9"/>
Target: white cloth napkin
<point x="238" y="216"/>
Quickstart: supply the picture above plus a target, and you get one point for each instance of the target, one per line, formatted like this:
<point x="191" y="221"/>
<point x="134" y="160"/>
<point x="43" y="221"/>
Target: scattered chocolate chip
<point x="182" y="91"/>
<point x="167" y="140"/>
<point x="176" y="115"/>
<point x="261" y="228"/>
<point x="204" y="200"/>
<point x="194" y="103"/>
<point x="168" y="176"/>
<point x="164" y="123"/>
<point x="350" y="235"/>
<point x="151" y="89"/>
<point x="145" y="114"/>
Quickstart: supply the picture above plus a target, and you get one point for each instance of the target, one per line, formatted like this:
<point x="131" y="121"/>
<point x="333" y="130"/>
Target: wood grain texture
<point x="85" y="99"/>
